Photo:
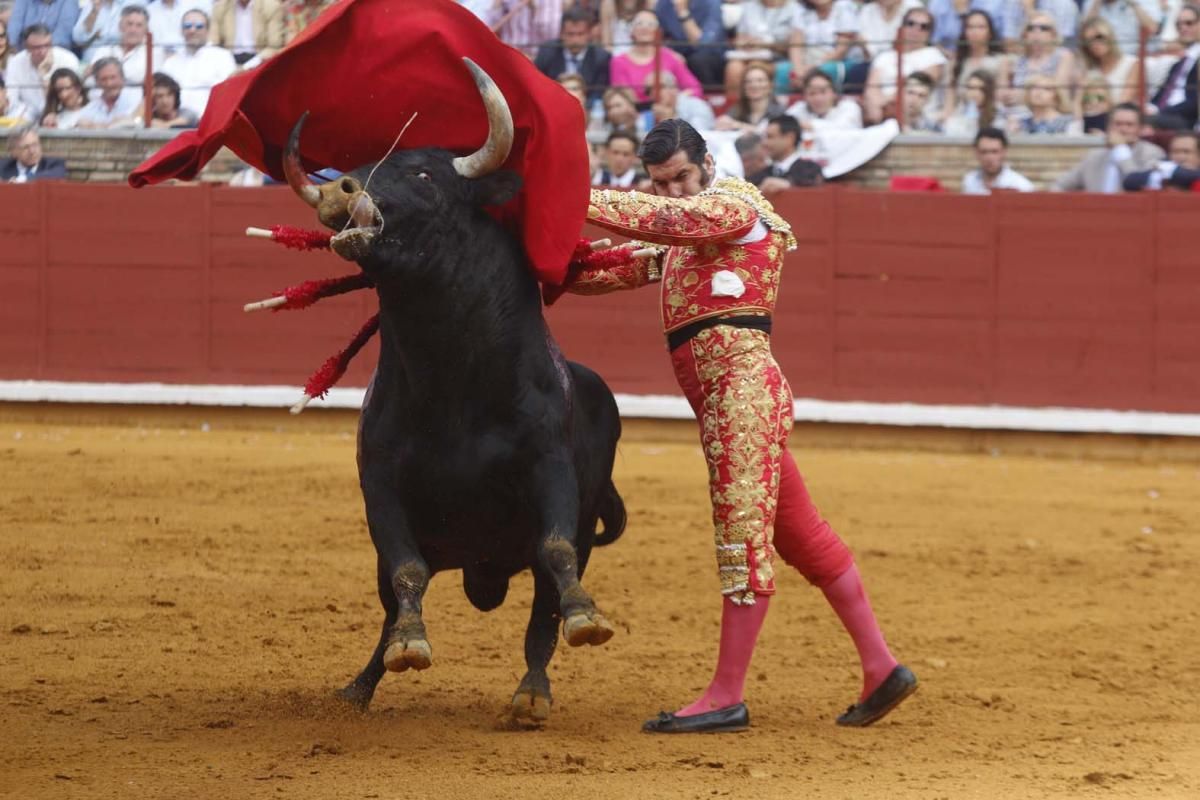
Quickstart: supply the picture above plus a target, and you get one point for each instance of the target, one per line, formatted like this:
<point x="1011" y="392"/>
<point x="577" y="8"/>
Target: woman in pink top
<point x="631" y="68"/>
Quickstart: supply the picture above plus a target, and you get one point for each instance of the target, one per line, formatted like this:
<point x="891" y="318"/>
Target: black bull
<point x="480" y="448"/>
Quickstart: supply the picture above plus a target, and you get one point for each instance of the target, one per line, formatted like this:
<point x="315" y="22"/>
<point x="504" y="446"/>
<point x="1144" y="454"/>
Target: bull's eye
<point x="423" y="176"/>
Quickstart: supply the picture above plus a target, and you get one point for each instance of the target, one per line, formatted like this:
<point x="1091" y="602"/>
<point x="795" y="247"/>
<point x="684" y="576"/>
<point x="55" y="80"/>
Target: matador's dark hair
<point x="668" y="138"/>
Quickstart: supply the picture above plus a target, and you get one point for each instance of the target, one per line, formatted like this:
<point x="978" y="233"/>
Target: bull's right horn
<point x="500" y="129"/>
<point x="305" y="189"/>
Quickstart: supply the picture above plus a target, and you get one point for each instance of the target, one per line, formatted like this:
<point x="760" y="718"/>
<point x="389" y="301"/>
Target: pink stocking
<point x="739" y="631"/>
<point x="849" y="600"/>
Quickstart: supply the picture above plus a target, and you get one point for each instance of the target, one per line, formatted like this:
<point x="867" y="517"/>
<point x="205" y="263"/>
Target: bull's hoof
<point x="587" y="628"/>
<point x="401" y="655"/>
<point x="530" y="706"/>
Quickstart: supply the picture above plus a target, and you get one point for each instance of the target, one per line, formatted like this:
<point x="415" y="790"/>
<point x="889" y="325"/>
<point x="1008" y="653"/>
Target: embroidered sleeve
<point x="707" y="218"/>
<point x="618" y="268"/>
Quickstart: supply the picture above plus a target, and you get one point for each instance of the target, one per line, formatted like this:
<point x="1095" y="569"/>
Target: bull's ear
<point x="496" y="189"/>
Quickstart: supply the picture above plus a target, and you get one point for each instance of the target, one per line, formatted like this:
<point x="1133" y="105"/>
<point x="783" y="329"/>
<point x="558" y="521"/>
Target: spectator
<point x="299" y="14"/>
<point x="58" y="17"/>
<point x="949" y="20"/>
<point x="976" y="108"/>
<point x="1104" y="170"/>
<point x="1019" y="13"/>
<point x="822" y="109"/>
<point x="991" y="151"/>
<point x="1095" y="103"/>
<point x="27" y="163"/>
<point x="1045" y="110"/>
<point x="919" y="56"/>
<point x="763" y="34"/>
<point x="673" y="104"/>
<point x="29" y="71"/>
<point x="1181" y="172"/>
<point x="131" y="51"/>
<point x="251" y="29"/>
<point x="573" y="53"/>
<point x="98" y="26"/>
<point x="65" y="100"/>
<point x="199" y="66"/>
<point x="115" y="107"/>
<point x="918" y="89"/>
<point x="752" y="151"/>
<point x="166" y="21"/>
<point x="1127" y="18"/>
<point x="1175" y="103"/>
<point x="165" y="109"/>
<point x="756" y="101"/>
<point x="823" y="35"/>
<point x="524" y="23"/>
<point x="576" y="88"/>
<point x="1100" y="52"/>
<point x="788" y="166"/>
<point x="699" y="27"/>
<point x="630" y="70"/>
<point x="620" y="156"/>
<point x="1041" y="55"/>
<point x="621" y="112"/>
<point x="879" y="25"/>
<point x="980" y="49"/>
<point x="616" y="24"/>
<point x="13" y="113"/>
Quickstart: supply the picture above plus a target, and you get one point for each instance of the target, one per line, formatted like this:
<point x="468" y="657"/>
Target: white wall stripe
<point x="1075" y="420"/>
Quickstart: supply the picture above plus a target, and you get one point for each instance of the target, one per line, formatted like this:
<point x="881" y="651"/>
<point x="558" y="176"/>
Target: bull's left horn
<point x="305" y="189"/>
<point x="500" y="129"/>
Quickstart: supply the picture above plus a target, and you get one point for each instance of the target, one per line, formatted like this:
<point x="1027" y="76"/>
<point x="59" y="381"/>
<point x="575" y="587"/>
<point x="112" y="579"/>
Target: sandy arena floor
<point x="181" y="591"/>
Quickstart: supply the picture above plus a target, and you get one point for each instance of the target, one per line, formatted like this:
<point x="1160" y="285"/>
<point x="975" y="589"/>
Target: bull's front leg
<point x="558" y="553"/>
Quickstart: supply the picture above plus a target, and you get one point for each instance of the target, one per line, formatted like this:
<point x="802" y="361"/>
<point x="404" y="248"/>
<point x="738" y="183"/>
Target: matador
<point x="717" y="249"/>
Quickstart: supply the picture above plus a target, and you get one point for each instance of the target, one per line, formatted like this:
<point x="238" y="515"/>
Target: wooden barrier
<point x="1033" y="300"/>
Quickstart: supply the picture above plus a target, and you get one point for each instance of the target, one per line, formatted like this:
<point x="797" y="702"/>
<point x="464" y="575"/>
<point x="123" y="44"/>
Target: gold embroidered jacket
<point x="706" y="270"/>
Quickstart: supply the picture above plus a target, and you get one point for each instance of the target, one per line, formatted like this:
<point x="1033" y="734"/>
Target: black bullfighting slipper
<point x="722" y="720"/>
<point x="889" y="694"/>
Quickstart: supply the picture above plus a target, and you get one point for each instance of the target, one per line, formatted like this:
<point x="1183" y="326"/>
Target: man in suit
<point x="788" y="168"/>
<point x="571" y="54"/>
<point x="1176" y="100"/>
<point x="265" y="30"/>
<point x="27" y="163"/>
<point x="1181" y="172"/>
<point x="1104" y="170"/>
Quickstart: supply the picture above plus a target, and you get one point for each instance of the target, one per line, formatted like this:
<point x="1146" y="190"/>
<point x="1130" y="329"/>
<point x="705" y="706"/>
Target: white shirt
<point x="846" y="114"/>
<point x="166" y="22"/>
<point x="29" y="83"/>
<point x="105" y="30"/>
<point x="624" y="181"/>
<point x="878" y="33"/>
<point x="243" y="28"/>
<point x="198" y="72"/>
<point x="17" y="113"/>
<point x="24" y="173"/>
<point x="884" y="66"/>
<point x="133" y="62"/>
<point x="820" y="35"/>
<point x="1009" y="178"/>
<point x="1112" y="175"/>
<point x="98" y="112"/>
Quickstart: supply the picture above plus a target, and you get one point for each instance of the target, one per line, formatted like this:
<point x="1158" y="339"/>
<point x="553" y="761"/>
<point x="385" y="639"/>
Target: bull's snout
<point x="334" y="202"/>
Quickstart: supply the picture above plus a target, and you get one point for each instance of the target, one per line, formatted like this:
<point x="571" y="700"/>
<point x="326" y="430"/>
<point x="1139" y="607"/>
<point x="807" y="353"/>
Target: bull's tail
<point x="612" y="514"/>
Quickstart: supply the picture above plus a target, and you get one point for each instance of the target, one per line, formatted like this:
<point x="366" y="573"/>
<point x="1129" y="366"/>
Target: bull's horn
<point x="500" y="129"/>
<point x="305" y="189"/>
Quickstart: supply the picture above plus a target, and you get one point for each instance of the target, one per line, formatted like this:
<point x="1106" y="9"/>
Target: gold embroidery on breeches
<point x="747" y="415"/>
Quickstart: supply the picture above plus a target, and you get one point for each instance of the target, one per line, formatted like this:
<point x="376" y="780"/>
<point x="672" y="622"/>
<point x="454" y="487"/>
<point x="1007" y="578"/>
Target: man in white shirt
<point x="788" y="166"/>
<point x="131" y="51"/>
<point x="98" y="26"/>
<point x="620" y="156"/>
<point x="27" y="163"/>
<point x="879" y="22"/>
<point x="115" y="107"/>
<point x="199" y="66"/>
<point x="29" y="71"/>
<point x="166" y="21"/>
<point x="991" y="150"/>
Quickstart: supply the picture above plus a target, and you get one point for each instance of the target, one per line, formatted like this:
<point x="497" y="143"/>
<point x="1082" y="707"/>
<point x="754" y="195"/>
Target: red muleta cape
<point x="361" y="69"/>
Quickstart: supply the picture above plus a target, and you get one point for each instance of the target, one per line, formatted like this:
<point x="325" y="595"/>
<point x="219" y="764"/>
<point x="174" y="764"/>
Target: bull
<point x="480" y="447"/>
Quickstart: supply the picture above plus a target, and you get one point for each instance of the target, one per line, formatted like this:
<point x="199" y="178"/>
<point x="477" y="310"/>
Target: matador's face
<point x="679" y="176"/>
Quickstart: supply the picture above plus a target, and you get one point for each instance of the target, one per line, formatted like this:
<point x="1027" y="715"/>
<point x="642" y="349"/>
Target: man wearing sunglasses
<point x="166" y="21"/>
<point x="1175" y="103"/>
<point x="199" y="66"/>
<point x="1128" y="18"/>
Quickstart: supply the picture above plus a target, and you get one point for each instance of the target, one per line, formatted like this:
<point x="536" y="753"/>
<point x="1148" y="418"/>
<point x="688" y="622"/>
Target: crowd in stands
<point x="779" y="74"/>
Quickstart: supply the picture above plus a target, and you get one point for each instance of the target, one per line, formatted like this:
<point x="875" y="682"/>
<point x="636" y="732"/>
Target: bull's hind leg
<point x="558" y="555"/>
<point x="532" y="700"/>
<point x="360" y="690"/>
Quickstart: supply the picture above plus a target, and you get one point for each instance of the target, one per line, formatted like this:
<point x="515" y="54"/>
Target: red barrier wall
<point x="1041" y="300"/>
